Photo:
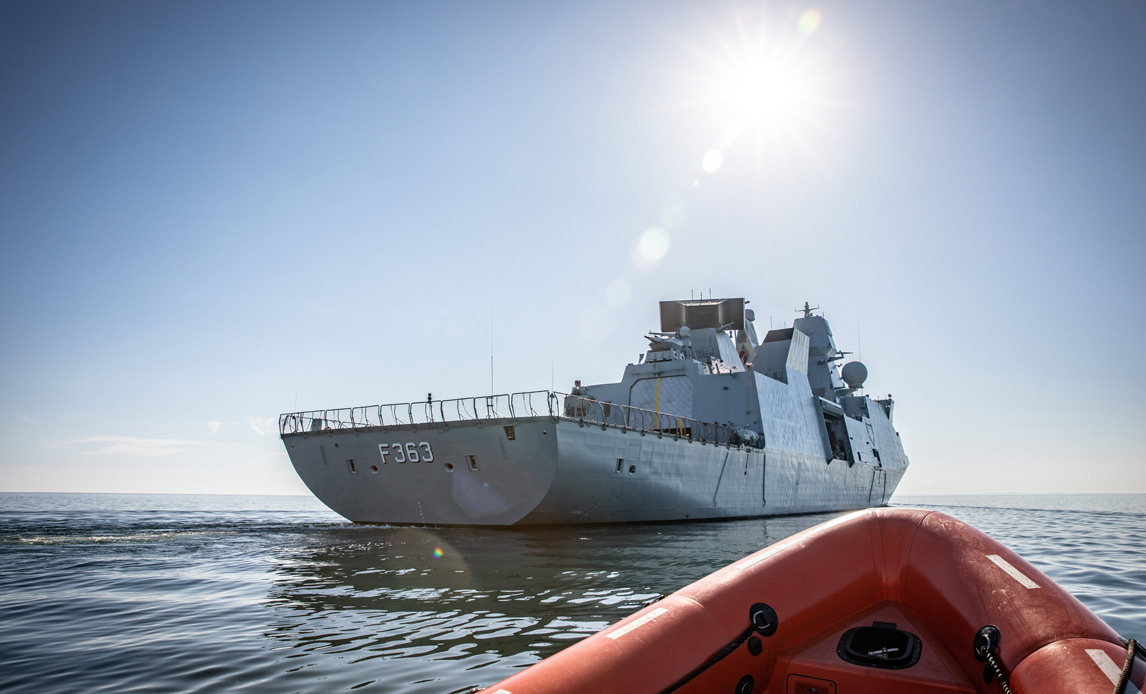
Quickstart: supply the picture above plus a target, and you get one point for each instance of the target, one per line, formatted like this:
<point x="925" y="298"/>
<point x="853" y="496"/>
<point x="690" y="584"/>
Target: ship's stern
<point x="483" y="472"/>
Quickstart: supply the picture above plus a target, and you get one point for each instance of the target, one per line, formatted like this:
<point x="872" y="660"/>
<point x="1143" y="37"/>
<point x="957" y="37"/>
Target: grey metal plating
<point x="710" y="423"/>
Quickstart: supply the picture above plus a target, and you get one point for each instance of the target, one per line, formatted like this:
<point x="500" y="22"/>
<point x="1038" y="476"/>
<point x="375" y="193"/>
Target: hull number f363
<point x="407" y="452"/>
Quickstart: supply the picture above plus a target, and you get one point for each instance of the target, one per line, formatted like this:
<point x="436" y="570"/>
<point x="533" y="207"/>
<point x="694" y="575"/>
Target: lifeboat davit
<point x="884" y="600"/>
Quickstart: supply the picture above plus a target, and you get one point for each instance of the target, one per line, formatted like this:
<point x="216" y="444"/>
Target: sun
<point x="768" y="82"/>
<point x="763" y="92"/>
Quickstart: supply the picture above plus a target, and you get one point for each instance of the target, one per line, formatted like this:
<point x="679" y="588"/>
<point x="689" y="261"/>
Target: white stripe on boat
<point x="1012" y="571"/>
<point x="637" y="624"/>
<point x="1110" y="668"/>
<point x="756" y="559"/>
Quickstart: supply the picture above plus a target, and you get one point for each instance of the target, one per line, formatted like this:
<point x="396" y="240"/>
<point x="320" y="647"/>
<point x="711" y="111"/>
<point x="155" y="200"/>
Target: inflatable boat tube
<point x="883" y="600"/>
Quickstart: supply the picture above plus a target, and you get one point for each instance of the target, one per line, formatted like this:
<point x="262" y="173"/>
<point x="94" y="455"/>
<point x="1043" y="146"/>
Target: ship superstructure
<point x="710" y="423"/>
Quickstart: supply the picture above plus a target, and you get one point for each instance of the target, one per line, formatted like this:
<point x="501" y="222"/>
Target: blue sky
<point x="216" y="212"/>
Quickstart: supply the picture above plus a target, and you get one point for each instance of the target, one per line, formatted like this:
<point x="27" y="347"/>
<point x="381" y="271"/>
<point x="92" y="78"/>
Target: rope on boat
<point x="1124" y="678"/>
<point x="763" y="621"/>
<point x="720" y="655"/>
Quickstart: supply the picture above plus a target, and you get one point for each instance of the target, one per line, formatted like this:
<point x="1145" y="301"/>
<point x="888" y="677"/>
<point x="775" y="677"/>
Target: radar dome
<point x="854" y="374"/>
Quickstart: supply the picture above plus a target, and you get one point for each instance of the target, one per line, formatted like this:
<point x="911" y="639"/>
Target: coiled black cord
<point x="998" y="673"/>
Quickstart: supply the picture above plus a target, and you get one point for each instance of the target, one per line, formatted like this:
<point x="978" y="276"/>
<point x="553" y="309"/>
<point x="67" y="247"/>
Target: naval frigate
<point x="710" y="423"/>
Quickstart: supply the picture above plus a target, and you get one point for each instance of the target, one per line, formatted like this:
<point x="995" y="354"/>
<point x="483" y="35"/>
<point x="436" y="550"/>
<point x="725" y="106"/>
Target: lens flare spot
<point x="810" y="21"/>
<point x="438" y="553"/>
<point x="653" y="245"/>
<point x="713" y="160"/>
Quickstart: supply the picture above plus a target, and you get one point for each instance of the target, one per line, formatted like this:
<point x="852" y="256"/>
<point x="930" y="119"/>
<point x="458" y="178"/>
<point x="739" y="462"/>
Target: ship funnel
<point x="854" y="374"/>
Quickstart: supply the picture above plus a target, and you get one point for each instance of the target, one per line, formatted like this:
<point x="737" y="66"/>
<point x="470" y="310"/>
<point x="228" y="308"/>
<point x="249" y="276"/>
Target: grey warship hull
<point x="625" y="452"/>
<point x="558" y="470"/>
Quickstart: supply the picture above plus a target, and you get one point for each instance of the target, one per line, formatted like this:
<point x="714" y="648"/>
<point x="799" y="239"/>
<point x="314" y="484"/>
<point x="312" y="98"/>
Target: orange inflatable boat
<point x="884" y="600"/>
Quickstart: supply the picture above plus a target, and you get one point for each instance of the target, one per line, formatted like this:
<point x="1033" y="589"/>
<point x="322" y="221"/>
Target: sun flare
<point x="767" y="82"/>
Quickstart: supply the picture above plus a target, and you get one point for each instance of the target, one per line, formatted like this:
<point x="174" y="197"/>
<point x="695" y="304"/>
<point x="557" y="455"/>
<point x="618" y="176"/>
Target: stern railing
<point x="538" y="403"/>
<point x="530" y="404"/>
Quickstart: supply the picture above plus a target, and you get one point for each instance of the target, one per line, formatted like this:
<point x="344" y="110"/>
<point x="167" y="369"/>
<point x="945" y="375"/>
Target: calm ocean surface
<point x="167" y="593"/>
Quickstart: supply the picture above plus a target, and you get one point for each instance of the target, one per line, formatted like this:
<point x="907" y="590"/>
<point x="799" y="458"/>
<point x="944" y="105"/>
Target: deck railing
<point x="537" y="403"/>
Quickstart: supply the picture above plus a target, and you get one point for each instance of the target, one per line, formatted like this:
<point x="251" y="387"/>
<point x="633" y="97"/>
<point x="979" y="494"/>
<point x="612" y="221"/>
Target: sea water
<point x="168" y="593"/>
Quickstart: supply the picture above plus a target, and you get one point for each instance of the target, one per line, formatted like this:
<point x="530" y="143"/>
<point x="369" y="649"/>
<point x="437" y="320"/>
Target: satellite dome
<point x="854" y="374"/>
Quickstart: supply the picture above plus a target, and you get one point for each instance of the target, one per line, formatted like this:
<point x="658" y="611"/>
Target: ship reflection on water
<point x="487" y="600"/>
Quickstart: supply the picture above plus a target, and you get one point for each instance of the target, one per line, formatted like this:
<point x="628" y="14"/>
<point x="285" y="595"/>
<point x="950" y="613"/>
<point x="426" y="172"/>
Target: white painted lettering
<point x="407" y="452"/>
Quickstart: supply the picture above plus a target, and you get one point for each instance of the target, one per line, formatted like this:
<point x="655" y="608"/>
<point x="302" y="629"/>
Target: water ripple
<point x="202" y="594"/>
